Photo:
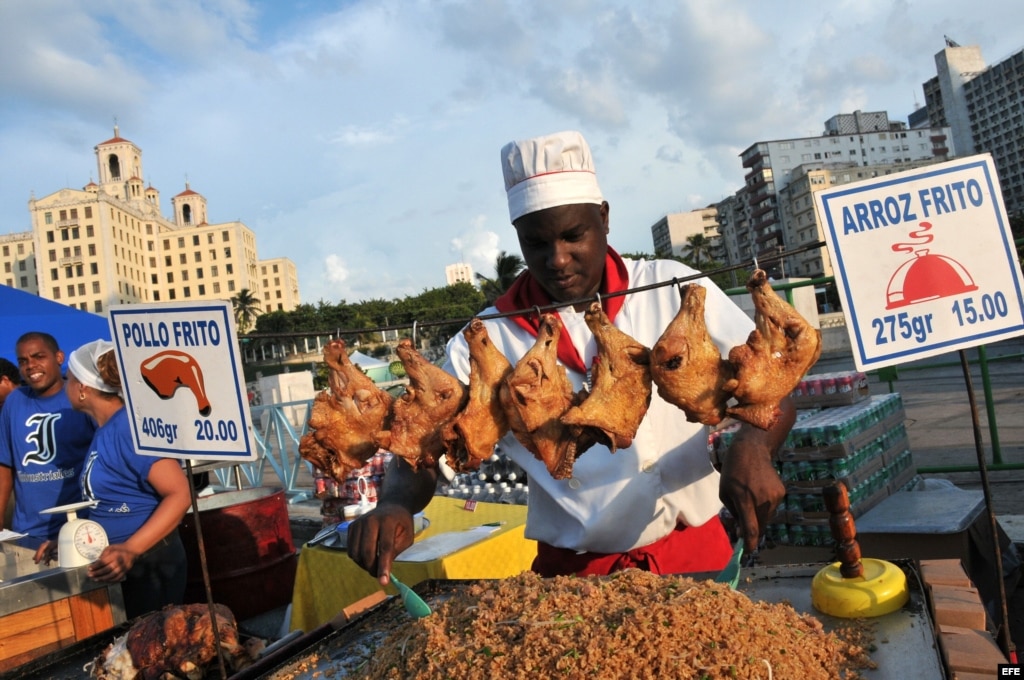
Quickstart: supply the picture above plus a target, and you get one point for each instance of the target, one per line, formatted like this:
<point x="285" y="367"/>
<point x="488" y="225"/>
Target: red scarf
<point x="686" y="550"/>
<point x="525" y="293"/>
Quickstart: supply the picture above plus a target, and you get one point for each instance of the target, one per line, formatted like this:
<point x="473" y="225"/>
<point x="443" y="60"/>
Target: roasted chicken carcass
<point x="779" y="351"/>
<point x="621" y="393"/>
<point x="431" y="399"/>
<point x="344" y="421"/>
<point x="176" y="642"/>
<point x="536" y="395"/>
<point x="470" y="438"/>
<point x="688" y="367"/>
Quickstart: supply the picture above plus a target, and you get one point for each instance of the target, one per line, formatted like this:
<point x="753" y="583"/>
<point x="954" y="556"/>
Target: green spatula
<point x="731" y="573"/>
<point x="414" y="604"/>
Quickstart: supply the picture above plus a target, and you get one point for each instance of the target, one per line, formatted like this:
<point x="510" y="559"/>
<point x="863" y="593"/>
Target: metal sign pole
<point x="205" y="570"/>
<point x="1004" y="623"/>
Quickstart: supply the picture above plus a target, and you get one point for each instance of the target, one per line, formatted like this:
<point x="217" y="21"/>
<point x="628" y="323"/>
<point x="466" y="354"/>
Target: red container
<point x="250" y="556"/>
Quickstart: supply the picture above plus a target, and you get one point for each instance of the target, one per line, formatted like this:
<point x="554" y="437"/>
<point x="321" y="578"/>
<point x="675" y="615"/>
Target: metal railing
<point x="277" y="429"/>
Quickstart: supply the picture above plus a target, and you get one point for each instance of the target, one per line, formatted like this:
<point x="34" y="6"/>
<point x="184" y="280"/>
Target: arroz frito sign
<point x="183" y="381"/>
<point x="924" y="261"/>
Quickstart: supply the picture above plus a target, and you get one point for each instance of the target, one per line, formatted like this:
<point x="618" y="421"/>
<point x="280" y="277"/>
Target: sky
<point x="361" y="139"/>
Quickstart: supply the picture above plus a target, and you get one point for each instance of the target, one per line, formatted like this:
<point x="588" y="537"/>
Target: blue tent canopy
<point x="21" y="312"/>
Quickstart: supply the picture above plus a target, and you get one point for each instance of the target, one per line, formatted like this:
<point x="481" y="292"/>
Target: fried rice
<point x="631" y="624"/>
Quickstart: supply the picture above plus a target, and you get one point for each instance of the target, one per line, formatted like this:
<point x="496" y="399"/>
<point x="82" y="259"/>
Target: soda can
<point x="804" y="471"/>
<point x="821" y="469"/>
<point x="797" y="536"/>
<point x="782" y="534"/>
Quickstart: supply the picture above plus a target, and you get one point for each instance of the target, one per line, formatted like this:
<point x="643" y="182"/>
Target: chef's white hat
<point x="548" y="171"/>
<point x="83" y="364"/>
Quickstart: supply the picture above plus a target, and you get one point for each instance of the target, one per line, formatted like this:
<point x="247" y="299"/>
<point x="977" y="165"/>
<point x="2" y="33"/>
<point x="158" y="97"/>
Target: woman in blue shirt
<point x="141" y="500"/>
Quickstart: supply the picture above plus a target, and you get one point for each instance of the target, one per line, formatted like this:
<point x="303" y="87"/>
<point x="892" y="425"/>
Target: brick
<point x="955" y="606"/>
<point x="948" y="572"/>
<point x="969" y="651"/>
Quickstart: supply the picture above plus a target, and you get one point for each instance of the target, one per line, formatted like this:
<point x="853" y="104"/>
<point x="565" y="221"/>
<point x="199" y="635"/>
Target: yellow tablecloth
<point x="327" y="581"/>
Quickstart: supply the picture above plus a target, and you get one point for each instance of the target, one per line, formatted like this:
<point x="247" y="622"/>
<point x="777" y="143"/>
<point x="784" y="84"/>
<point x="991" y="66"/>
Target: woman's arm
<point x="170" y="483"/>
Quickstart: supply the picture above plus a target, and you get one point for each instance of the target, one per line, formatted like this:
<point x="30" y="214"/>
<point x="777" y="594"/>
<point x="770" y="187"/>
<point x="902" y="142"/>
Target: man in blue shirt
<point x="43" y="442"/>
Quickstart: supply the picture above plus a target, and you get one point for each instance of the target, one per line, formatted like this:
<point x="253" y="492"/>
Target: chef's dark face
<point x="564" y="248"/>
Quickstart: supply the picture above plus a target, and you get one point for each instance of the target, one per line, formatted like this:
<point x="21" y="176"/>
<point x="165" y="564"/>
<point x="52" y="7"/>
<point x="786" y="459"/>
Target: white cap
<point x="83" y="364"/>
<point x="548" y="171"/>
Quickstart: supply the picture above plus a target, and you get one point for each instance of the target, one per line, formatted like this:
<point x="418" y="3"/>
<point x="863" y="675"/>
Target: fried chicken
<point x="535" y="396"/>
<point x="470" y="438"/>
<point x="345" y="421"/>
<point x="688" y="367"/>
<point x="621" y="376"/>
<point x="778" y="352"/>
<point x="431" y="399"/>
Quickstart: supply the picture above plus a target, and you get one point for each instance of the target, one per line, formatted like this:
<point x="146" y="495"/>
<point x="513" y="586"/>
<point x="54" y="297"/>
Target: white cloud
<point x="335" y="271"/>
<point x="360" y="139"/>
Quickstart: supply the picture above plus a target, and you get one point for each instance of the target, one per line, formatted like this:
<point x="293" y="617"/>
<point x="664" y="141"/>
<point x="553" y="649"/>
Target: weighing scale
<point x="80" y="541"/>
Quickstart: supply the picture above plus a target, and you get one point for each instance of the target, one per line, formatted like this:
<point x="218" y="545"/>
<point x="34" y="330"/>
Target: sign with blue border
<point x="182" y="379"/>
<point x="924" y="261"/>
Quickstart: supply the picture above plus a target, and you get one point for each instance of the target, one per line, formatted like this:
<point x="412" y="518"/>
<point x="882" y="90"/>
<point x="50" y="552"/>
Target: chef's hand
<point x="751" y="490"/>
<point x="750" y="487"/>
<point x="46" y="553"/>
<point x="113" y="564"/>
<point x="376" y="538"/>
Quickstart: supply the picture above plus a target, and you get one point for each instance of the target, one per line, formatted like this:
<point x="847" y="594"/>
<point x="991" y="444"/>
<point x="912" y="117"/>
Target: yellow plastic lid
<point x="882" y="589"/>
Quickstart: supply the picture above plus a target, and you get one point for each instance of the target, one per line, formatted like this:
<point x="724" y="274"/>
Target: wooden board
<point x="47" y="628"/>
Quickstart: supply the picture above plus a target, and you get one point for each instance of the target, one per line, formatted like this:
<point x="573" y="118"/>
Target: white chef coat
<point x="615" y="502"/>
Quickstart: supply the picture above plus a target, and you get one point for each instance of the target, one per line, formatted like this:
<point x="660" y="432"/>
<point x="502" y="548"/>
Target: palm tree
<point x="247" y="308"/>
<point x="507" y="267"/>
<point x="698" y="246"/>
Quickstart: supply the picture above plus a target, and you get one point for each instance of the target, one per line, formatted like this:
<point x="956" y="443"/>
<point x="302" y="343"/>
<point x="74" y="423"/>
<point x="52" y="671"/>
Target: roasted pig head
<point x="471" y="436"/>
<point x="688" y="367"/>
<point x="621" y="377"/>
<point x="175" y="642"/>
<point x="345" y="420"/>
<point x="431" y="399"/>
<point x="536" y="395"/>
<point x="779" y="351"/>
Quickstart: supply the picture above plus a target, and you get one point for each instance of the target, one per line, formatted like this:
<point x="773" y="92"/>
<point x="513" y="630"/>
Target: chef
<point x="654" y="505"/>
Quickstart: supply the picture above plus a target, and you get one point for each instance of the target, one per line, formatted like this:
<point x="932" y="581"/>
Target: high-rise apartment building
<point x="460" y="272"/>
<point x="108" y="243"/>
<point x="862" y="139"/>
<point x="983" y="106"/>
<point x="671" y="232"/>
<point x="799" y="220"/>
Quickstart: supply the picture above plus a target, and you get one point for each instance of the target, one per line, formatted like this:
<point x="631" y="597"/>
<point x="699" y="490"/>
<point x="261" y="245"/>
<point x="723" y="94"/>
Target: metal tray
<point x="905" y="641"/>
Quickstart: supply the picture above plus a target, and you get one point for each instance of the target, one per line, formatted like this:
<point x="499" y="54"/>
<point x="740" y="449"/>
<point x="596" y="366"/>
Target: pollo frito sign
<point x="925" y="261"/>
<point x="182" y="379"/>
